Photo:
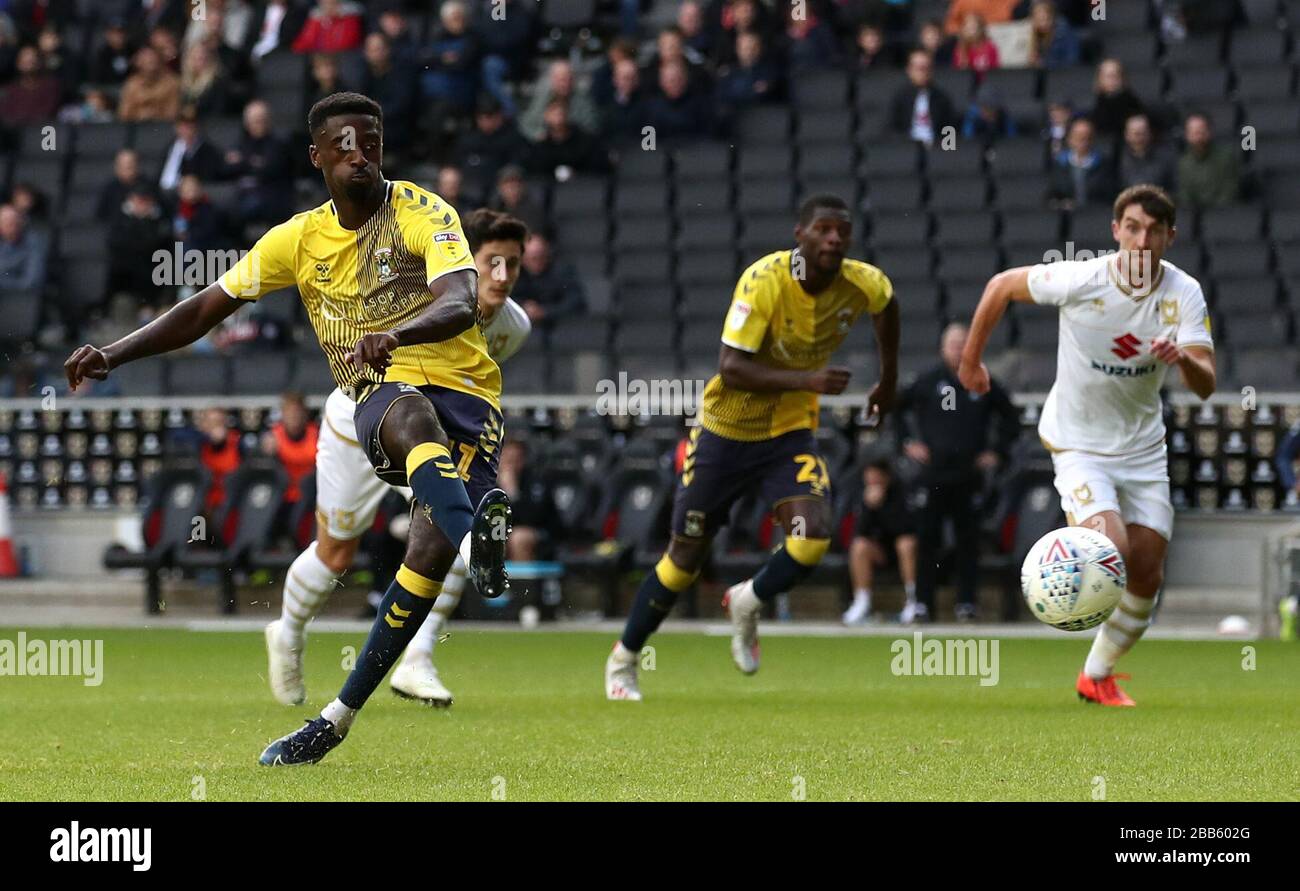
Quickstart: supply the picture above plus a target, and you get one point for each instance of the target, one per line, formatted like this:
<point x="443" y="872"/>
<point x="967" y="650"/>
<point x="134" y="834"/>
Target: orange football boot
<point x="1104" y="691"/>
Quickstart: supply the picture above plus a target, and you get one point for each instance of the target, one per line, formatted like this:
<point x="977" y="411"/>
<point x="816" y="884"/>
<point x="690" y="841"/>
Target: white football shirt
<point x="1106" y="397"/>
<point x="507" y="331"/>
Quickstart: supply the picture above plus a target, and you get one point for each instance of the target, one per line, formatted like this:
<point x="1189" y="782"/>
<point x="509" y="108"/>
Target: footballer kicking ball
<point x="1073" y="578"/>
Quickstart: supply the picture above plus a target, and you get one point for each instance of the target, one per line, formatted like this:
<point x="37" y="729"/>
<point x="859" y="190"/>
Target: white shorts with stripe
<point x="1135" y="485"/>
<point x="348" y="492"/>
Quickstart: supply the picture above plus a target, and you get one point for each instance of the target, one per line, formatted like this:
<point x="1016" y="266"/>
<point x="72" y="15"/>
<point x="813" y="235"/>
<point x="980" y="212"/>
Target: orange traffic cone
<point x="8" y="565"/>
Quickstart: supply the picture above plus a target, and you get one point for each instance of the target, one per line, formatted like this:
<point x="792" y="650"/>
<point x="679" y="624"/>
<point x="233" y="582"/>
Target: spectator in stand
<point x="148" y="16"/>
<point x="919" y="109"/>
<point x="94" y="107"/>
<point x="624" y="115"/>
<point x="884" y="533"/>
<point x="602" y="79"/>
<point x="736" y="17"/>
<point x="1142" y="160"/>
<point x="334" y="26"/>
<point x="218" y="451"/>
<point x="508" y="39"/>
<point x="873" y="51"/>
<point x="690" y="22"/>
<point x="139" y="229"/>
<point x="203" y="82"/>
<point x="278" y="23"/>
<point x="449" y="185"/>
<point x="565" y="149"/>
<point x="58" y="63"/>
<point x="168" y="48"/>
<point x="532" y="510"/>
<point x="190" y="154"/>
<point x="1081" y="174"/>
<point x="559" y="83"/>
<point x="23" y="254"/>
<point x="33" y="96"/>
<point x="548" y="289"/>
<point x="677" y="111"/>
<point x="974" y="50"/>
<point x="324" y="81"/>
<point x="197" y="224"/>
<point x="151" y="93"/>
<point x="262" y="169"/>
<point x="991" y="11"/>
<point x="670" y="48"/>
<point x="1113" y="101"/>
<point x="1209" y="175"/>
<point x="1052" y="42"/>
<point x="450" y="79"/>
<point x="229" y="25"/>
<point x="987" y="120"/>
<point x="933" y="40"/>
<point x="33" y="205"/>
<point x="751" y="80"/>
<point x="808" y="41"/>
<point x="1059" y="115"/>
<point x="956" y="438"/>
<point x="111" y="63"/>
<point x="514" y="196"/>
<point x="292" y="442"/>
<point x="390" y="81"/>
<point x="405" y="48"/>
<point x="226" y="43"/>
<point x="126" y="178"/>
<point x="493" y="143"/>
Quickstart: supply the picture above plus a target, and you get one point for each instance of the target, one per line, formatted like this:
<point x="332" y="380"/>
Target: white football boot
<point x="859" y="612"/>
<point x="416" y="678"/>
<point x="620" y="674"/>
<point x="284" y="668"/>
<point x="913" y="612"/>
<point x="743" y="606"/>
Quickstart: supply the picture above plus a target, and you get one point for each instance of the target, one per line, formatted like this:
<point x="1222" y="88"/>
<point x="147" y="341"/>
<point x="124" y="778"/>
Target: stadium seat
<point x="707" y="198"/>
<point x="899" y="230"/>
<point x="702" y="232"/>
<point x="1257" y="46"/>
<point x="1269" y="83"/>
<point x="969" y="265"/>
<point x="1192" y="85"/>
<point x="1265" y="369"/>
<point x="708" y="265"/>
<point x="1187" y="255"/>
<point x="21" y="311"/>
<point x="1284" y="226"/>
<point x="818" y="127"/>
<point x="776" y="196"/>
<point x="650" y="333"/>
<point x="529" y="375"/>
<point x="642" y="234"/>
<point x="1040" y="228"/>
<point x="874" y="89"/>
<point x="826" y="160"/>
<point x="243" y="526"/>
<point x="641" y="198"/>
<point x="963" y="162"/>
<point x="642" y="167"/>
<point x="580" y="197"/>
<point x="1018" y="156"/>
<point x="963" y="194"/>
<point x="643" y="268"/>
<point x="763" y="234"/>
<point x="1245" y="295"/>
<point x="820" y="91"/>
<point x="101" y="140"/>
<point x="1195" y="51"/>
<point x="703" y="161"/>
<point x="1136" y="49"/>
<point x="897" y="195"/>
<point x="1272" y="118"/>
<point x="1229" y="225"/>
<point x="764" y="162"/>
<point x="1240" y="259"/>
<point x="888" y="159"/>
<point x="1123" y="18"/>
<point x="873" y="125"/>
<point x="1252" y="332"/>
<point x="1036" y="331"/>
<point x="311" y="374"/>
<point x="197" y="375"/>
<point x="85" y="240"/>
<point x="260" y="372"/>
<point x="844" y="185"/>
<point x="1021" y="192"/>
<point x="173" y="497"/>
<point x="957" y="83"/>
<point x="966" y="230"/>
<point x="1262" y="13"/>
<point x="764" y="125"/>
<point x="1069" y="83"/>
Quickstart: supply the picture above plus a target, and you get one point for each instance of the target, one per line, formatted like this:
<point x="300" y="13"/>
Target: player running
<point x="390" y="287"/>
<point x="1125" y="319"/>
<point x="789" y="313"/>
<point x="348" y="492"/>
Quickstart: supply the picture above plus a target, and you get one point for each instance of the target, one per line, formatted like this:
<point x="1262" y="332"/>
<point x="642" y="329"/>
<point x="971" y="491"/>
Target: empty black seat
<point x="642" y="234"/>
<point x="1264" y="82"/>
<point x="1240" y="259"/>
<point x="1031" y="227"/>
<point x="705" y="232"/>
<point x="817" y="127"/>
<point x="897" y="194"/>
<point x="1257" y="46"/>
<point x="198" y="375"/>
<point x="899" y="229"/>
<point x="261" y="373"/>
<point x="705" y="198"/>
<point x="888" y="159"/>
<point x="776" y="196"/>
<point x="1224" y="225"/>
<point x="580" y="197"/>
<point x="640" y="199"/>
<point x="101" y="140"/>
<point x="1017" y="156"/>
<point x="950" y="195"/>
<point x="963" y="230"/>
<point x="701" y="161"/>
<point x="640" y="267"/>
<point x="766" y="125"/>
<point x="765" y="162"/>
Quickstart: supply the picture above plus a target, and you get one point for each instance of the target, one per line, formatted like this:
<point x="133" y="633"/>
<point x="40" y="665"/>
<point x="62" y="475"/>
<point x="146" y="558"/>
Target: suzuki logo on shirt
<point x="1126" y="346"/>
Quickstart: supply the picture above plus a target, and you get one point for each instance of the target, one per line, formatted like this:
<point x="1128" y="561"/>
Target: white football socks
<point x="1118" y="634"/>
<point x="340" y="716"/>
<point x="427" y="636"/>
<point x="307" y="585"/>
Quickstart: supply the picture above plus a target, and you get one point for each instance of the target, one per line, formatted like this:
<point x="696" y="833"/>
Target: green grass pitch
<point x="183" y="714"/>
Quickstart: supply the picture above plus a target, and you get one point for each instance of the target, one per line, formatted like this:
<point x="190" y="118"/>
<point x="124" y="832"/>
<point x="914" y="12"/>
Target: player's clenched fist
<point x="85" y="362"/>
<point x="1166" y="350"/>
<point x="375" y="351"/>
<point x="829" y="381"/>
<point x="974" y="378"/>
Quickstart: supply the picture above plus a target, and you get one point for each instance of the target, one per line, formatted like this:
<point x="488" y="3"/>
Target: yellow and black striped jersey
<point x="782" y="325"/>
<point x="372" y="279"/>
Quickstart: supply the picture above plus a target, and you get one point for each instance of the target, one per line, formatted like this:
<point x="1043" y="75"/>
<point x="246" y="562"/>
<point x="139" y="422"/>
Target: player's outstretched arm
<point x="1194" y="363"/>
<point x="881" y="399"/>
<point x="741" y="371"/>
<point x="179" y="326"/>
<point x="1002" y="289"/>
<point x="453" y="310"/>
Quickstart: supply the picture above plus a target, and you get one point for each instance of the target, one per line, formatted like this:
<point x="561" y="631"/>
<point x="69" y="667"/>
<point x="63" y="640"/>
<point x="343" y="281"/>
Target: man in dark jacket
<point x="493" y="143"/>
<point x="390" y="81"/>
<point x="677" y="110"/>
<point x="548" y="289"/>
<point x="920" y="110"/>
<point x="565" y="146"/>
<point x="955" y="438"/>
<point x="262" y="168"/>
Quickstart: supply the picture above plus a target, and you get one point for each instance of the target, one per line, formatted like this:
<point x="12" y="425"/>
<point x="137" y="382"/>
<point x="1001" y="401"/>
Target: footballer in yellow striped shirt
<point x="389" y="284"/>
<point x="790" y="311"/>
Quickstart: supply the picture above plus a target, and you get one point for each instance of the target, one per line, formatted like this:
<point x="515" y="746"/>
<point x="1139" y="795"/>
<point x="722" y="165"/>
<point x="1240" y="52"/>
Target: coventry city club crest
<point x="384" y="263"/>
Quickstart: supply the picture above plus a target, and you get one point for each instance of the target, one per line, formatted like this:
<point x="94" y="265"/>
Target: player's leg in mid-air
<point x="1125" y="498"/>
<point x="348" y="494"/>
<point x="406" y="443"/>
<point x="474" y="430"/>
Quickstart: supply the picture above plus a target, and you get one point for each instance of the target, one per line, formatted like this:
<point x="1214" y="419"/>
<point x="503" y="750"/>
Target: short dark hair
<point x="820" y="201"/>
<point x="883" y="464"/>
<point x="1154" y="200"/>
<point x="483" y="225"/>
<point x="342" y="103"/>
